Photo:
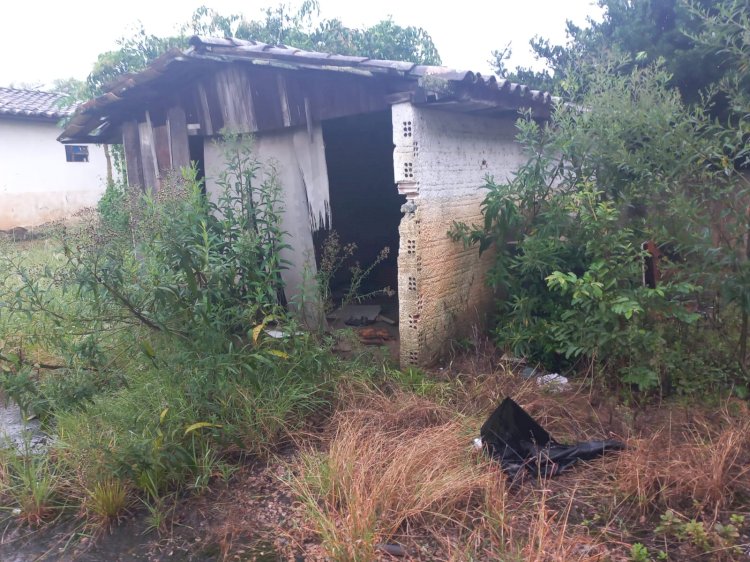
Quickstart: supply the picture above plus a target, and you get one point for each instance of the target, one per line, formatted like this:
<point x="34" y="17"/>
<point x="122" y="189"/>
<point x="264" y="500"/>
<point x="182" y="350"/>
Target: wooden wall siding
<point x="250" y="99"/>
<point x="178" y="137"/>
<point x="148" y="154"/>
<point x="242" y="98"/>
<point x="235" y="99"/>
<point x="162" y="149"/>
<point x="132" y="144"/>
<point x="265" y="99"/>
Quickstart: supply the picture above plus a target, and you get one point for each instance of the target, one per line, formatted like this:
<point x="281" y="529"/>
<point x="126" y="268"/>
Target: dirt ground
<point x="691" y="459"/>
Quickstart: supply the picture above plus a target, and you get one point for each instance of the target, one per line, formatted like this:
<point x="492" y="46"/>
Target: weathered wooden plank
<point x="178" y="137"/>
<point x="204" y="112"/>
<point x="132" y="145"/>
<point x="214" y="105"/>
<point x="265" y="99"/>
<point x="281" y="83"/>
<point x="295" y="99"/>
<point x="148" y="155"/>
<point x="189" y="102"/>
<point x="233" y="92"/>
<point x="340" y="95"/>
<point x="162" y="150"/>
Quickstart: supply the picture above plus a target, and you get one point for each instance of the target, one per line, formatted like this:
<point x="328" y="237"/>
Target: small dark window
<point x="76" y="153"/>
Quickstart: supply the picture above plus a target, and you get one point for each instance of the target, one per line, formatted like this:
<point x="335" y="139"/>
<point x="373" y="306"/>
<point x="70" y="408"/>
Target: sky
<point x="42" y="40"/>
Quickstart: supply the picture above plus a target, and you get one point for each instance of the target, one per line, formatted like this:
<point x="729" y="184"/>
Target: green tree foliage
<point x="134" y="54"/>
<point x="644" y="32"/>
<point x="278" y="25"/>
<point x="632" y="163"/>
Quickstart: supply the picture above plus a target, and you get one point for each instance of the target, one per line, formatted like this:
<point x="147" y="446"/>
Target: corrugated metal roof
<point x="32" y="103"/>
<point x="458" y="90"/>
<point x="237" y="49"/>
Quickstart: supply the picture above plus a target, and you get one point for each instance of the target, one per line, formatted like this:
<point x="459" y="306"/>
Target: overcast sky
<point x="41" y="40"/>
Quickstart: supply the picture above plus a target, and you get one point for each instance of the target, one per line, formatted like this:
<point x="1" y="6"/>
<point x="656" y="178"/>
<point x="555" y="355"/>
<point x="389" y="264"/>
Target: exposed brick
<point x="441" y="160"/>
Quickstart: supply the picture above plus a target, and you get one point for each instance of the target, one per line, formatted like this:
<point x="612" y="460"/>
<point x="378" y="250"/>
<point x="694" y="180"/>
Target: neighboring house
<point x="386" y="153"/>
<point x="40" y="180"/>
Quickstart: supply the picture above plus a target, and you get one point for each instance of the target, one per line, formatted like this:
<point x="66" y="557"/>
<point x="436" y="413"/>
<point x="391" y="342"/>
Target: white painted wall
<point x="441" y="160"/>
<point x="298" y="159"/>
<point x="37" y="184"/>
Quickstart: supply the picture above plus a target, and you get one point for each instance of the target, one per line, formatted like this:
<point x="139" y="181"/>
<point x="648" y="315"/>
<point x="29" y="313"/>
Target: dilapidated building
<point x="386" y="153"/>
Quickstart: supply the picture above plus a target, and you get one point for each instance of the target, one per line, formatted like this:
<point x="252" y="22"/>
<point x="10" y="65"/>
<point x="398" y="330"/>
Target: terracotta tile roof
<point x="32" y="103"/>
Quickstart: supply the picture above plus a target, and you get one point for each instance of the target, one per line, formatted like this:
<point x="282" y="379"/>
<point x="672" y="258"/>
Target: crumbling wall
<point x="441" y="160"/>
<point x="298" y="158"/>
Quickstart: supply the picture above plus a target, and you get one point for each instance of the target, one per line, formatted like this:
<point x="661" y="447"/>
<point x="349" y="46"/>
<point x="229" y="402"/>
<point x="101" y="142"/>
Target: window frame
<point x="76" y="153"/>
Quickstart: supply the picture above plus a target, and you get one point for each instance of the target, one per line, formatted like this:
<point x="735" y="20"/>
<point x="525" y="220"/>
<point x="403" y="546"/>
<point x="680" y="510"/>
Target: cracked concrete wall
<point x="441" y="160"/>
<point x="298" y="159"/>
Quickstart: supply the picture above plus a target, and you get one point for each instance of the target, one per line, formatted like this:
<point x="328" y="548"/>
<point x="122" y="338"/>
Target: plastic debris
<point x="512" y="437"/>
<point x="553" y="381"/>
<point x="392" y="548"/>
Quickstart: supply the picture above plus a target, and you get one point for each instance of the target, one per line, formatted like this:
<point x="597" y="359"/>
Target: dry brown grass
<point x="399" y="467"/>
<point x="704" y="465"/>
<point x="393" y="466"/>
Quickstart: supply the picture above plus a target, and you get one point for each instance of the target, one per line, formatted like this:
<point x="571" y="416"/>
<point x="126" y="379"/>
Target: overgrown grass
<point x="395" y="467"/>
<point x="140" y="343"/>
<point x="29" y="485"/>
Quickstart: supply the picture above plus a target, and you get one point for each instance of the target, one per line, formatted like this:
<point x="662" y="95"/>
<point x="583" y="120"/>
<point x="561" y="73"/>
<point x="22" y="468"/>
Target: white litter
<point x="553" y="381"/>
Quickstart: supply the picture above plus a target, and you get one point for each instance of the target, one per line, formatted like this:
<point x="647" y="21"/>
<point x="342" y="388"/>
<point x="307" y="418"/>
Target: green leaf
<point x="201" y="425"/>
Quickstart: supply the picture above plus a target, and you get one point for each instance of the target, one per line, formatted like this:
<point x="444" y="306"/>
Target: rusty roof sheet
<point x="32" y="103"/>
<point x="449" y="87"/>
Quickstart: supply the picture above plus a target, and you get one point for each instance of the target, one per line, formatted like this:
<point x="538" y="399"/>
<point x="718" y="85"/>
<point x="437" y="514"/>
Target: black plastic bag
<point x="517" y="441"/>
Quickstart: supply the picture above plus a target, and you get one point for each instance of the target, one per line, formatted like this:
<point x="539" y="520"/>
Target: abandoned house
<point x="386" y="153"/>
<point x="42" y="181"/>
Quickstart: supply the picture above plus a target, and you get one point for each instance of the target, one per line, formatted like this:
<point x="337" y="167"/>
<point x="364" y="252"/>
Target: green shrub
<point x="631" y="164"/>
<point x="153" y="326"/>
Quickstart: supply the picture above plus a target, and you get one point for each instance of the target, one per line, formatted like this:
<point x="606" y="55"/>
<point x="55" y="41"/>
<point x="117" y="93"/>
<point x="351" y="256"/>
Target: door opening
<point x="365" y="212"/>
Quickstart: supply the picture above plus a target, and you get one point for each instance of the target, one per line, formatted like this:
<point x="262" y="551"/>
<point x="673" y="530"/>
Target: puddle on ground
<point x="15" y="430"/>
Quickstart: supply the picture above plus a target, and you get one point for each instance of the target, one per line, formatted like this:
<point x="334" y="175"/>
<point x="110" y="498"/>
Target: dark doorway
<point x="195" y="145"/>
<point x="365" y="204"/>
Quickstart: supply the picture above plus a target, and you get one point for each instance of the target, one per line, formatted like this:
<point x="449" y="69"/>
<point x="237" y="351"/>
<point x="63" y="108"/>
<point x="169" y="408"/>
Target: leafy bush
<point x="155" y="362"/>
<point x="630" y="165"/>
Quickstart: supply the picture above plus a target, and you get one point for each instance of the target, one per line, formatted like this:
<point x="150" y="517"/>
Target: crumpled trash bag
<point x="517" y="441"/>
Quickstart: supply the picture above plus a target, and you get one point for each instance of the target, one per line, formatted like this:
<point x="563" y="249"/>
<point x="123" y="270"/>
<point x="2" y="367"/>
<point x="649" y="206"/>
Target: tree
<point x="636" y="165"/>
<point x="644" y="31"/>
<point x="279" y="25"/>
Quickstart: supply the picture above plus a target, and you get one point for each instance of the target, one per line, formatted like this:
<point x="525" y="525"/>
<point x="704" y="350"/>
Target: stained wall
<point x="441" y="160"/>
<point x="37" y="184"/>
<point x="297" y="158"/>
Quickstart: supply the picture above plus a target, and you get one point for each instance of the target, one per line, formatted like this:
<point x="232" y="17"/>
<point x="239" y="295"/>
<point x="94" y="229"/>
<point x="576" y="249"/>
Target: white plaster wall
<point x="299" y="161"/>
<point x="441" y="160"/>
<point x="37" y="184"/>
